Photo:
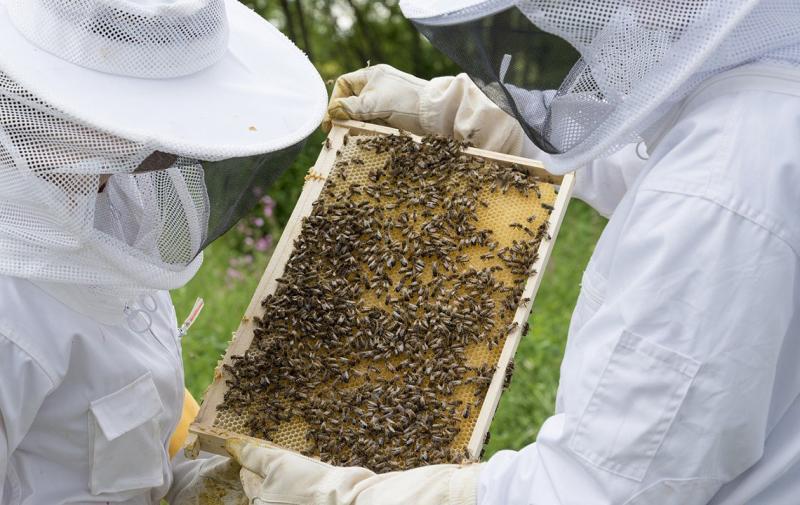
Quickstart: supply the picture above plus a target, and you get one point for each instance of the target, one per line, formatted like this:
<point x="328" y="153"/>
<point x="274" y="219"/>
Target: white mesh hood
<point x="636" y="59"/>
<point x="142" y="232"/>
<point x="135" y="132"/>
<point x="81" y="206"/>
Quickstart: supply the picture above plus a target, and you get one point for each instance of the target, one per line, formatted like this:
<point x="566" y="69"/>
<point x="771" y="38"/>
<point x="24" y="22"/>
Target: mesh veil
<point x="635" y="59"/>
<point x="143" y="231"/>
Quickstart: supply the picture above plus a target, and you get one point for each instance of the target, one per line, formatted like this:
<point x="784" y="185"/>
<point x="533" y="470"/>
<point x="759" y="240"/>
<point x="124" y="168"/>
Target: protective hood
<point x="133" y="133"/>
<point x="635" y="59"/>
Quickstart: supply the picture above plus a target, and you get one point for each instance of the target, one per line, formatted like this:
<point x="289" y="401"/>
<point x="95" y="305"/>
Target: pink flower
<point x="249" y="241"/>
<point x="259" y="222"/>
<point x="269" y="205"/>
<point x="263" y="243"/>
<point x="234" y="274"/>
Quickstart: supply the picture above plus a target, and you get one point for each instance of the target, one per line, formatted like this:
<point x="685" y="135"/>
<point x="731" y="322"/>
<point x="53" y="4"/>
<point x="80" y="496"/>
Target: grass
<point x="523" y="408"/>
<point x="225" y="303"/>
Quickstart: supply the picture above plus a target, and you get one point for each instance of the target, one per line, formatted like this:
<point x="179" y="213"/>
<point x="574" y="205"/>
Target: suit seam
<point x="690" y="480"/>
<point x="27" y="353"/>
<point x="733" y="211"/>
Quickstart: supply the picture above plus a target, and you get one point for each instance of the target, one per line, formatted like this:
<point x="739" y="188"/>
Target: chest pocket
<point x="633" y="405"/>
<point x="127" y="452"/>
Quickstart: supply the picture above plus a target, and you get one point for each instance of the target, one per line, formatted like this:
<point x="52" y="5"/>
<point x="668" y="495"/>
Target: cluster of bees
<point x="368" y="341"/>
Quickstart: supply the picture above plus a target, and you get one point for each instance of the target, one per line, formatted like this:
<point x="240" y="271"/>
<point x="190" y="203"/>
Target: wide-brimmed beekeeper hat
<point x="209" y="79"/>
<point x="135" y="132"/>
<point x="633" y="59"/>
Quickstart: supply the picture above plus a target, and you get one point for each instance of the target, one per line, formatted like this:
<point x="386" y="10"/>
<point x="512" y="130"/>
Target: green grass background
<point x="531" y="397"/>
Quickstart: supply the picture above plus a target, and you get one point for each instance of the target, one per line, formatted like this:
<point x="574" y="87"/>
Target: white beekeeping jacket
<point x="680" y="384"/>
<point x="87" y="408"/>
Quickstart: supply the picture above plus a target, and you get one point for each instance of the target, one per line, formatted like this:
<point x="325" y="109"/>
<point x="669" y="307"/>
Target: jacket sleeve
<point x="604" y="182"/>
<point x="671" y="375"/>
<point x="24" y="385"/>
<point x="456" y="107"/>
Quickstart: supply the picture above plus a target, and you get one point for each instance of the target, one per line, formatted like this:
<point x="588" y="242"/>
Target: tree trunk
<point x="416" y="49"/>
<point x="373" y="47"/>
<point x="287" y="13"/>
<point x="303" y="29"/>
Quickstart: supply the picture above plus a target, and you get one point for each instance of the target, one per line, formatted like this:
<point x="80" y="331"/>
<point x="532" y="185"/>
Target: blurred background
<point x="340" y="36"/>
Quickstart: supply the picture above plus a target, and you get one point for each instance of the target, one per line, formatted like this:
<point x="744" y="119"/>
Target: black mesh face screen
<point x="234" y="186"/>
<point x="508" y="57"/>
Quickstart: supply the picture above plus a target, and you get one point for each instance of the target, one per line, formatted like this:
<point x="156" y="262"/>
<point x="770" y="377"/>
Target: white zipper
<point x="178" y="368"/>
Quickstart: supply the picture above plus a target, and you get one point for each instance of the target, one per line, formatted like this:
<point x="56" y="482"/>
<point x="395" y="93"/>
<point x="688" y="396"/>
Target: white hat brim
<point x="263" y="96"/>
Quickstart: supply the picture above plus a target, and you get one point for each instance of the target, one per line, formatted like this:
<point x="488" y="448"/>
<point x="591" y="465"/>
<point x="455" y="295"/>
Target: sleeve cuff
<point x="464" y="485"/>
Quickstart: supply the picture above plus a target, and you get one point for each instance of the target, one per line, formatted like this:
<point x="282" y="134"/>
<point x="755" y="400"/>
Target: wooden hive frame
<point x="205" y="436"/>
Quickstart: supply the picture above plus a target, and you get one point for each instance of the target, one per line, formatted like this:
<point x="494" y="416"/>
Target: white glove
<point x="380" y="94"/>
<point x="272" y="476"/>
<point x="214" y="480"/>
<point x="452" y="106"/>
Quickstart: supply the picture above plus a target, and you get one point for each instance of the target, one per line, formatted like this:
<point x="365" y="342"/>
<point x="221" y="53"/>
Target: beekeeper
<point x="132" y="134"/>
<point x="680" y="384"/>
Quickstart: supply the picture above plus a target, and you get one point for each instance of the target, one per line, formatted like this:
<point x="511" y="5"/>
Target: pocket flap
<point x="636" y="399"/>
<point x="127" y="408"/>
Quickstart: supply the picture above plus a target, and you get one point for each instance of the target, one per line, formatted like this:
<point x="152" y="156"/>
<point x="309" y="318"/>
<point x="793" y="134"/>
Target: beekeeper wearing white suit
<point x="132" y="134"/>
<point x="680" y="384"/>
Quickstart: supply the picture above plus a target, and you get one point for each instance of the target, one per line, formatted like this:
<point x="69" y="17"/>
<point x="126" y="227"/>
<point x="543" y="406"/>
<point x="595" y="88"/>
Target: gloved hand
<point x="451" y="106"/>
<point x="380" y="94"/>
<point x="272" y="476"/>
<point x="215" y="481"/>
<point x="190" y="410"/>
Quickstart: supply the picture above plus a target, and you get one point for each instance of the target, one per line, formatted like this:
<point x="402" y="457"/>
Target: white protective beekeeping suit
<point x="132" y="134"/>
<point x="680" y="383"/>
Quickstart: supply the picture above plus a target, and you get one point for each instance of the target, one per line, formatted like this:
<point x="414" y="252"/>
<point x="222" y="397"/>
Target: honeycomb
<point x="503" y="209"/>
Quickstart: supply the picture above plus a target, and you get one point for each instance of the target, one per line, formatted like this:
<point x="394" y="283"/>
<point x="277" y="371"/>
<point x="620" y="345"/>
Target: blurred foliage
<point x="341" y="36"/>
